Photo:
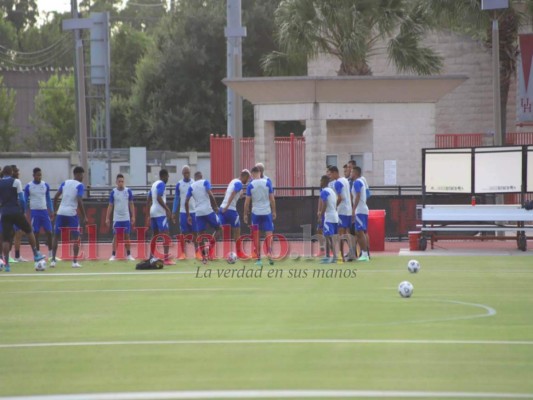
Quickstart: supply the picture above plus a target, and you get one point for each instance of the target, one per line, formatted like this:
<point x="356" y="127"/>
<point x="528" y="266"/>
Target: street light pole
<point x="498" y="139"/>
<point x="493" y="5"/>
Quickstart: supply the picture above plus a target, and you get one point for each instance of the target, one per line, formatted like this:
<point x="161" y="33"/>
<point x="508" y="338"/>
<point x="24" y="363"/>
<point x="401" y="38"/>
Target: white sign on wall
<point x="390" y="172"/>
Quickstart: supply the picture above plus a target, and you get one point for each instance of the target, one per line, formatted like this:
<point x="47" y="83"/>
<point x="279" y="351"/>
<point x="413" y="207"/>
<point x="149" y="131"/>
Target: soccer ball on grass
<point x="405" y="289"/>
<point x="231" y="258"/>
<point x="40" y="266"/>
<point x="413" y="266"/>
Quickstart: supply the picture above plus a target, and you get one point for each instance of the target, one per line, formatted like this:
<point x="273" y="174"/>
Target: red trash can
<point x="414" y="238"/>
<point x="376" y="230"/>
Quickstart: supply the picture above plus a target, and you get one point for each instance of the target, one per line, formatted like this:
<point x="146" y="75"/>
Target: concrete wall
<point x="381" y="131"/>
<point x="469" y="107"/>
<point x="57" y="167"/>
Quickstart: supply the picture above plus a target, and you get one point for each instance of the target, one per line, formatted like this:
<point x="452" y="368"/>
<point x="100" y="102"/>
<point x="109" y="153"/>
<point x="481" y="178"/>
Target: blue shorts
<point x="230" y="217"/>
<point x="264" y="222"/>
<point x="361" y="222"/>
<point x="345" y="221"/>
<point x="66" y="221"/>
<point x="122" y="226"/>
<point x="330" y="228"/>
<point x="159" y="224"/>
<point x="320" y="225"/>
<point x="40" y="219"/>
<point x="202" y="221"/>
<point x="186" y="227"/>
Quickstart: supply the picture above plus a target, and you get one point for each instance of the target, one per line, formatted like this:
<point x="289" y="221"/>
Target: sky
<point x="53" y="5"/>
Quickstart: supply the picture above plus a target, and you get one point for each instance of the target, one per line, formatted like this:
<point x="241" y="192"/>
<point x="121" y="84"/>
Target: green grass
<point x="42" y="308"/>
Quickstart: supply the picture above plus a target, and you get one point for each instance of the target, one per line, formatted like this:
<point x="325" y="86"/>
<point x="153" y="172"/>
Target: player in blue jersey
<point x="260" y="194"/>
<point x="13" y="205"/>
<point x="67" y="221"/>
<point x="37" y="194"/>
<point x="228" y="214"/>
<point x="329" y="217"/>
<point x="206" y="211"/>
<point x="360" y="212"/>
<point x="178" y="209"/>
<point x="121" y="205"/>
<point x="344" y="207"/>
<point x="17" y="241"/>
<point x="160" y="214"/>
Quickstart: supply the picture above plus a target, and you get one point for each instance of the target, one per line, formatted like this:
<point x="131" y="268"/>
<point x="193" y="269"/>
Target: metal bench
<point x="474" y="219"/>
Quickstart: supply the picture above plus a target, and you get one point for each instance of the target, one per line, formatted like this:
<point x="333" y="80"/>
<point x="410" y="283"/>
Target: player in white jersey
<point x="159" y="213"/>
<point x="67" y="223"/>
<point x="260" y="194"/>
<point x="360" y="212"/>
<point x="329" y="217"/>
<point x="344" y="207"/>
<point x="186" y="229"/>
<point x="121" y="205"/>
<point x="228" y="214"/>
<point x="206" y="212"/>
<point x="37" y="194"/>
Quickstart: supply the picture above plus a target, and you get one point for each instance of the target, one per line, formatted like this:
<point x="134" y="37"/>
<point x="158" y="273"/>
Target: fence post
<point x="293" y="162"/>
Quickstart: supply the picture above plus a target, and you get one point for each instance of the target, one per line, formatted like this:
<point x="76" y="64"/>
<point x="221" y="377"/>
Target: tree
<point x="112" y="6"/>
<point x="21" y="13"/>
<point x="55" y="110"/>
<point x="7" y="110"/>
<point x="143" y="15"/>
<point x="466" y="17"/>
<point x="46" y="45"/>
<point x="349" y="30"/>
<point x="8" y="36"/>
<point x="128" y="46"/>
<point x="178" y="98"/>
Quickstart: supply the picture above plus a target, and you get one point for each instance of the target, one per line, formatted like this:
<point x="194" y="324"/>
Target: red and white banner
<point x="524" y="101"/>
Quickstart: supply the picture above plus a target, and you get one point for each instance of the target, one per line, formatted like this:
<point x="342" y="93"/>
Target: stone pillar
<point x="315" y="147"/>
<point x="264" y="148"/>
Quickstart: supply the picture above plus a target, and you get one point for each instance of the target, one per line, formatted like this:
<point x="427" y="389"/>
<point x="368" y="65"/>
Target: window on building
<point x="358" y="158"/>
<point x="331" y="159"/>
<point x="124" y="169"/>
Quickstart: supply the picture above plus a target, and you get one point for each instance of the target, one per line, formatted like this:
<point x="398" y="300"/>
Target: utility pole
<point x="81" y="107"/>
<point x="234" y="33"/>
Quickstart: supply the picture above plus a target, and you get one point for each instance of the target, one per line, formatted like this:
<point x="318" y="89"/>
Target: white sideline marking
<point x="33" y="275"/>
<point x="269" y="394"/>
<point x="5" y="276"/>
<point x="133" y="290"/>
<point x="490" y="312"/>
<point x="270" y="341"/>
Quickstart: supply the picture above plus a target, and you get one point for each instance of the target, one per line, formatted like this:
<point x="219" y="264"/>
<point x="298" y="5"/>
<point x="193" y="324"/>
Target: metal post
<point x="234" y="33"/>
<point x="80" y="91"/>
<point x="498" y="140"/>
<point x="108" y="100"/>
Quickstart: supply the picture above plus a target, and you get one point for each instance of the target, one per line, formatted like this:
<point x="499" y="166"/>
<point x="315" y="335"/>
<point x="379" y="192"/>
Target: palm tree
<point x="466" y="17"/>
<point x="350" y="30"/>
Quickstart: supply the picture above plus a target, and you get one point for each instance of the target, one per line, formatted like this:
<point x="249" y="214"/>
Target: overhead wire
<point x="43" y="57"/>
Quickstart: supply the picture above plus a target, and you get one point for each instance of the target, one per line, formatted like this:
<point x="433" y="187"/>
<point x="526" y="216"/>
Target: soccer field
<point x="467" y="331"/>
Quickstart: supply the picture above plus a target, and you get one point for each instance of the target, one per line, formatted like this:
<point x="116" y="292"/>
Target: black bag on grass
<point x="151" y="263"/>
